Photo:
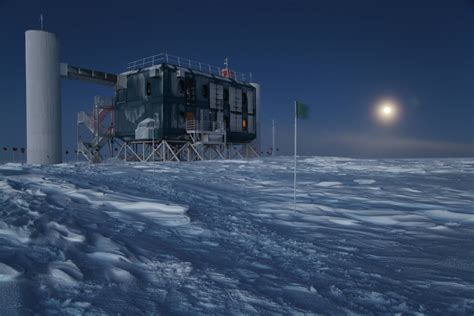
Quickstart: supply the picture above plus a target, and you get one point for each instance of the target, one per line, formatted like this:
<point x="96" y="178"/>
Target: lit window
<point x="244" y="124"/>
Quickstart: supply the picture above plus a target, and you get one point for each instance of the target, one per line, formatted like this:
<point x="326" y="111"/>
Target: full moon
<point x="386" y="111"/>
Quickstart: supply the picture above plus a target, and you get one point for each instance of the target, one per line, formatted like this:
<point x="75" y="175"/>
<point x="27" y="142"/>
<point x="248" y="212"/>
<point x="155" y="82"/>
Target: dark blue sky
<point x="340" y="57"/>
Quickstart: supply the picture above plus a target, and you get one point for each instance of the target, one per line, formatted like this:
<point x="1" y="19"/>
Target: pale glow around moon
<point x="387" y="111"/>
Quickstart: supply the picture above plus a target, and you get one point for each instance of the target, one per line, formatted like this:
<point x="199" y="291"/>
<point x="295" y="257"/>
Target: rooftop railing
<point x="187" y="63"/>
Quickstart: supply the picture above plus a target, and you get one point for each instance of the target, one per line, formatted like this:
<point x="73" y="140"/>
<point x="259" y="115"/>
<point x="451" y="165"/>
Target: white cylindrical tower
<point x="258" y="112"/>
<point x="43" y="98"/>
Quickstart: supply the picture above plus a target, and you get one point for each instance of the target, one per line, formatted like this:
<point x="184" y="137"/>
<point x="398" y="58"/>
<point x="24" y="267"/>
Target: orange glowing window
<point x="244" y="123"/>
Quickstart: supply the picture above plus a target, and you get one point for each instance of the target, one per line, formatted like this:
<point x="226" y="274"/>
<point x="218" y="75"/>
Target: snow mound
<point x="365" y="181"/>
<point x="7" y="273"/>
<point x="329" y="184"/>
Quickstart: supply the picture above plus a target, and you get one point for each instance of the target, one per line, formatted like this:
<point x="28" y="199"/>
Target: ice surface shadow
<point x="12" y="172"/>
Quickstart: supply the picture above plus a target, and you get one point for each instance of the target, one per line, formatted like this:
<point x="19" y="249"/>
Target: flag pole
<point x="273" y="138"/>
<point x="294" y="175"/>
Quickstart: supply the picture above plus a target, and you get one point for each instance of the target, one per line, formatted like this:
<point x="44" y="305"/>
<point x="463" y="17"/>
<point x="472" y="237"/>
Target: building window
<point x="190" y="90"/>
<point x="148" y="88"/>
<point x="244" y="124"/>
<point x="121" y="95"/>
<point x="226" y="122"/>
<point x="244" y="98"/>
<point x="181" y="86"/>
<point x="205" y="92"/>
<point x="226" y="94"/>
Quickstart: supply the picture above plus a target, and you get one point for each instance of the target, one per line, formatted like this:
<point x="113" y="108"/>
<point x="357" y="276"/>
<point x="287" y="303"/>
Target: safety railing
<point x="84" y="118"/>
<point x="187" y="63"/>
<point x="200" y="126"/>
<point x="103" y="101"/>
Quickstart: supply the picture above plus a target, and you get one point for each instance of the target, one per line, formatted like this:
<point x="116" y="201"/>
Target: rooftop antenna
<point x="251" y="76"/>
<point x="41" y="21"/>
<point x="226" y="63"/>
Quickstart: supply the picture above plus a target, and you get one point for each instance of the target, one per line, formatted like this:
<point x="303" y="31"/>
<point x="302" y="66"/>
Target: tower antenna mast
<point x="41" y="21"/>
<point x="226" y="63"/>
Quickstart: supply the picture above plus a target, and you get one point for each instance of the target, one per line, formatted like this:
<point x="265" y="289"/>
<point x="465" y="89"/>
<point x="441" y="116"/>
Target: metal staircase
<point x="209" y="138"/>
<point x="95" y="130"/>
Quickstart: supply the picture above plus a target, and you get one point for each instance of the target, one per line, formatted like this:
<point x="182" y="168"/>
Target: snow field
<point x="367" y="237"/>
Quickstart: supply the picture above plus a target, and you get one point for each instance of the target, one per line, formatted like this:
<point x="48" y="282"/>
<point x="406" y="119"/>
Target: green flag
<point x="302" y="110"/>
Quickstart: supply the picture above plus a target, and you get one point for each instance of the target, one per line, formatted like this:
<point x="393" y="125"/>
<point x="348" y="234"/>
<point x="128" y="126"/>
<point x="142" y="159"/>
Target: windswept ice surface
<point x="368" y="237"/>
